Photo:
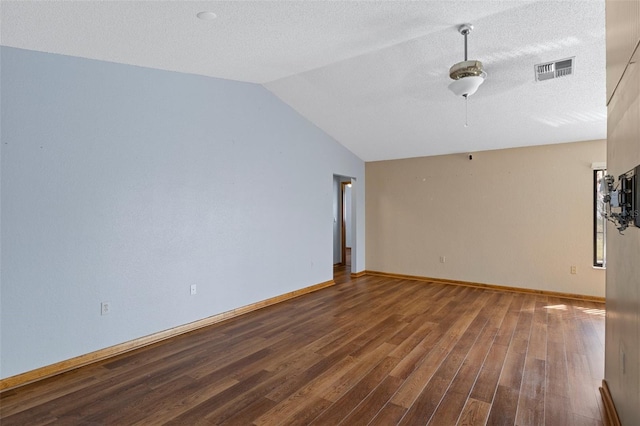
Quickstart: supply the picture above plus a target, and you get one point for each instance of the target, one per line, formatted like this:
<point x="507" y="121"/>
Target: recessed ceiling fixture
<point x="206" y="16"/>
<point x="467" y="75"/>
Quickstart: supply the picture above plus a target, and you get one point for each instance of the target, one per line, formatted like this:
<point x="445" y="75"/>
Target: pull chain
<point x="466" y="112"/>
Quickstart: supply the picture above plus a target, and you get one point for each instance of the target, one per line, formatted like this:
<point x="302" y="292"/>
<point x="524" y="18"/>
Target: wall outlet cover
<point x="105" y="308"/>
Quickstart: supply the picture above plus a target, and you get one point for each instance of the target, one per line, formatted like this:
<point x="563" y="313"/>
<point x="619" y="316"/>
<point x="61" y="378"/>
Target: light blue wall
<point x="127" y="185"/>
<point x="347" y="216"/>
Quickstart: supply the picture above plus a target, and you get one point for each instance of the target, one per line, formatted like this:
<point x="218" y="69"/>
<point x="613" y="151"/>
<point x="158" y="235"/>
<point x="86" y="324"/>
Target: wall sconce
<point x="622" y="199"/>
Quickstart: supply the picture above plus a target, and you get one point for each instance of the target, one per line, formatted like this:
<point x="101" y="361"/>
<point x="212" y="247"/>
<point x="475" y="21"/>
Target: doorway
<point x="344" y="241"/>
<point x="345" y="220"/>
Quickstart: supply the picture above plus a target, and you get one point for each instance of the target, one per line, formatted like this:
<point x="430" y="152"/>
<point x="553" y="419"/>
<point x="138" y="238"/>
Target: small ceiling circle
<point x="206" y="16"/>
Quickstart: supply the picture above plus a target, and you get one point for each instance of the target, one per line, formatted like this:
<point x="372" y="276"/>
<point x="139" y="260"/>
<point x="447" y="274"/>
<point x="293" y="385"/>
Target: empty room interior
<point x="310" y="212"/>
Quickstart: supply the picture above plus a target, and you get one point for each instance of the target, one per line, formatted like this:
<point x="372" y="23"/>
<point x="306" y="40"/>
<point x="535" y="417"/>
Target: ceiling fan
<point x="467" y="75"/>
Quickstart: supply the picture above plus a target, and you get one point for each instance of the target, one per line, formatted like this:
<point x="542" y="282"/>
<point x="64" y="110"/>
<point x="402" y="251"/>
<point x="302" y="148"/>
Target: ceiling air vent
<point x="554" y="69"/>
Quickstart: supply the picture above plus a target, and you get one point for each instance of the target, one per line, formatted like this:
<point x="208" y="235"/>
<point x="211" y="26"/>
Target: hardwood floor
<point x="371" y="350"/>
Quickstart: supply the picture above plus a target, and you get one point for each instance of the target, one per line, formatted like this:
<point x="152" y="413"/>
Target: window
<point x="599" y="222"/>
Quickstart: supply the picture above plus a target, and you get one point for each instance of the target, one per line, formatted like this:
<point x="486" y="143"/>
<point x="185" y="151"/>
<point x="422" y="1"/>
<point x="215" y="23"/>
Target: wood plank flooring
<point x="368" y="351"/>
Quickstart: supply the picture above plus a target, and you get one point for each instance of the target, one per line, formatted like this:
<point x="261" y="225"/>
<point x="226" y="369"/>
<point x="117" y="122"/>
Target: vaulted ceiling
<point x="372" y="74"/>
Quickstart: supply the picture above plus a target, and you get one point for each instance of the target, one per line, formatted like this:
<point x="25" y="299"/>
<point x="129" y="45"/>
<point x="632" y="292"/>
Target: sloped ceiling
<point x="372" y="74"/>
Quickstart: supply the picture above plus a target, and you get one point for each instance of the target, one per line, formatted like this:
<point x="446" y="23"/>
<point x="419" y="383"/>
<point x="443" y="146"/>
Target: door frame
<point x="343" y="224"/>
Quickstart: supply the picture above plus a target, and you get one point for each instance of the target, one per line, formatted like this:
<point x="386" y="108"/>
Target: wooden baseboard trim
<point x="102" y="354"/>
<point x="611" y="414"/>
<point x="358" y="274"/>
<point x="488" y="286"/>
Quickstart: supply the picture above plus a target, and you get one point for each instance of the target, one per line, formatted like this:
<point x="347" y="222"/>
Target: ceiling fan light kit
<point x="467" y="75"/>
<point x="466" y="86"/>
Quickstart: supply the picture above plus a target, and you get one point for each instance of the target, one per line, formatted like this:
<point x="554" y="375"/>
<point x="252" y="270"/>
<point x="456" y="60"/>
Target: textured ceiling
<point x="373" y="74"/>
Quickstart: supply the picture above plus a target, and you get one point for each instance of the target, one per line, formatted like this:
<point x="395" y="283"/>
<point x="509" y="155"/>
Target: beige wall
<point x="516" y="217"/>
<point x="623" y="32"/>
<point x="623" y="268"/>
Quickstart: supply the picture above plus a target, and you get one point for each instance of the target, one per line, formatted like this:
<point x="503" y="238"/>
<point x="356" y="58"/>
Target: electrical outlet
<point x="193" y="289"/>
<point x="443" y="259"/>
<point x="105" y="308"/>
<point x="574" y="269"/>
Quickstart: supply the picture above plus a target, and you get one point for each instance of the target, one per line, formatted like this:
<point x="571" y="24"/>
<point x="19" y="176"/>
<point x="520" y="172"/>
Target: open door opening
<point x="343" y="230"/>
<point x="345" y="215"/>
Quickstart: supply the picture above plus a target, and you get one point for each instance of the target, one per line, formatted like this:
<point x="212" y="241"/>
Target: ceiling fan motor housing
<point x="466" y="69"/>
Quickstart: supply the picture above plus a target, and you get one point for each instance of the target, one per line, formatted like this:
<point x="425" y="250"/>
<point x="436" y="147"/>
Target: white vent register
<point x="554" y="69"/>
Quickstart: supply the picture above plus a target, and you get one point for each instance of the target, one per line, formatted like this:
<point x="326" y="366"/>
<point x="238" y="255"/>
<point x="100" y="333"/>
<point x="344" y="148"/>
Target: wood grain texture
<point x="102" y="354"/>
<point x="487" y="286"/>
<point x="367" y="351"/>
